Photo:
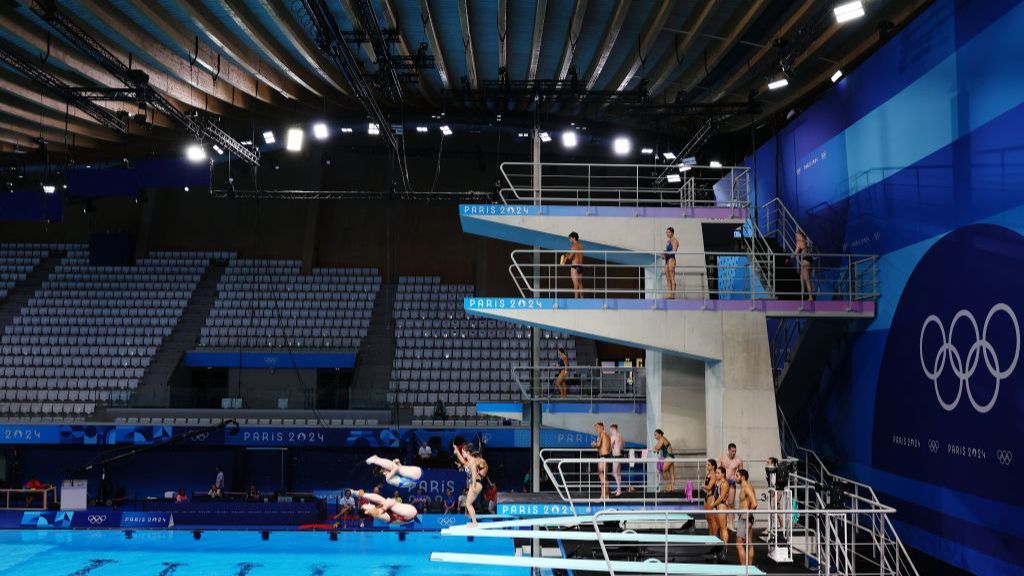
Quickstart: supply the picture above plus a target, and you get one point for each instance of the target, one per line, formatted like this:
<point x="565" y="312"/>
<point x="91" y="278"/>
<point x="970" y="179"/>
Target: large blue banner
<point x="269" y="360"/>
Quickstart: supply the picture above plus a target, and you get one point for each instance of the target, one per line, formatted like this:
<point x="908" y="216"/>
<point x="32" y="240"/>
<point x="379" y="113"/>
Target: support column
<point x="535" y="407"/>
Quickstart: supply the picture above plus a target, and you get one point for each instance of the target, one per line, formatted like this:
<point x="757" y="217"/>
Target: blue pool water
<point x="235" y="553"/>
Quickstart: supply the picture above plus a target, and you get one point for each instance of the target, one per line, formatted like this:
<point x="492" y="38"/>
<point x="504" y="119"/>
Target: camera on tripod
<point x="777" y="474"/>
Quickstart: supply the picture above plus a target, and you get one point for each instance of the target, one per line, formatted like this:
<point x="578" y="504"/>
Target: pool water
<point x="237" y="553"/>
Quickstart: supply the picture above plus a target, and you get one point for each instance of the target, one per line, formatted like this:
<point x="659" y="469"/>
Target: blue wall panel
<point x="919" y="156"/>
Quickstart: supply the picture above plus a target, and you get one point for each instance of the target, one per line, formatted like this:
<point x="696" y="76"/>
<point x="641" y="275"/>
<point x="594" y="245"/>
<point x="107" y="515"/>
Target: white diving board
<point x="587" y="536"/>
<point x="596" y="565"/>
<point x="572" y="521"/>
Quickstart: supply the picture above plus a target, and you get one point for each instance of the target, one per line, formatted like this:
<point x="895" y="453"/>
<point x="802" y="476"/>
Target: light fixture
<point x="421" y="129"/>
<point x="622" y="146"/>
<point x="689" y="161"/>
<point x="373" y="129"/>
<point x="781" y="82"/>
<point x="293" y="143"/>
<point x="346" y="130"/>
<point x="569" y="138"/>
<point x="837" y="76"/>
<point x="446" y="130"/>
<point x="545" y="137"/>
<point x="673" y="178"/>
<point x="186" y="188"/>
<point x="320" y="131"/>
<point x="268" y="137"/>
<point x="218" y="150"/>
<point x="49" y="188"/>
<point x="669" y="156"/>
<point x="848" y="11"/>
<point x="523" y="134"/>
<point x="195" y="153"/>
<point x="647" y="150"/>
<point x="715" y="164"/>
<point x="684" y="168"/>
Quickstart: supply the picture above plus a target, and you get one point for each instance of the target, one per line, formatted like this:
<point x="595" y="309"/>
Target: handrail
<point x="780" y="224"/>
<point x="636" y="185"/>
<point x="584" y="383"/>
<point x="623" y="274"/>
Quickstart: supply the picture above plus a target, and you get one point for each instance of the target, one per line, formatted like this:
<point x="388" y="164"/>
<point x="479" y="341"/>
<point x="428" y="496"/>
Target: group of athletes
<point x="393" y="511"/>
<point x="727" y="487"/>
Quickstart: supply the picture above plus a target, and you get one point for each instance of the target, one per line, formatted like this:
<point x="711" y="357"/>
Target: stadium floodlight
<point x="837" y="76"/>
<point x="545" y="137"/>
<point x="373" y="129"/>
<point x="673" y="178"/>
<point x="294" y="141"/>
<point x="848" y="11"/>
<point x="715" y="164"/>
<point x="320" y="131"/>
<point x="684" y="168"/>
<point x="647" y="150"/>
<point x="186" y="188"/>
<point x="346" y="130"/>
<point x="446" y="130"/>
<point x="218" y="150"/>
<point x="195" y="153"/>
<point x="523" y="134"/>
<point x="49" y="188"/>
<point x="670" y="156"/>
<point x="421" y="129"/>
<point x="622" y="146"/>
<point x="268" y="137"/>
<point x="569" y="138"/>
<point x="781" y="82"/>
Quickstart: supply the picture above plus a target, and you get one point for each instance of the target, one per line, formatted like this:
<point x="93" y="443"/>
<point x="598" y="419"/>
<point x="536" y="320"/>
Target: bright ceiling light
<point x="446" y="130"/>
<point x="776" y="84"/>
<point x="195" y="153"/>
<point x="647" y="150"/>
<point x="569" y="138"/>
<point x="715" y="164"/>
<point x="186" y="188"/>
<point x="346" y="130"/>
<point x="49" y="188"/>
<point x="320" y="131"/>
<point x="218" y="150"/>
<point x="684" y="168"/>
<point x="673" y="178"/>
<point x="848" y="11"/>
<point x="421" y="129"/>
<point x="268" y="137"/>
<point x="373" y="129"/>
<point x="837" y="76"/>
<point x="294" y="141"/>
<point x="545" y="137"/>
<point x="668" y="156"/>
<point x="622" y="146"/>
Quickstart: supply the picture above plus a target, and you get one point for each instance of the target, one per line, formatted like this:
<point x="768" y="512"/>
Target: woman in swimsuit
<point x="710" y="494"/>
<point x="671" y="247"/>
<point x="720" y="501"/>
<point x="563" y="374"/>
<point x="803" y="251"/>
<point x="477" y="472"/>
<point x="388" y="510"/>
<point x="663" y="449"/>
<point x="395" y="473"/>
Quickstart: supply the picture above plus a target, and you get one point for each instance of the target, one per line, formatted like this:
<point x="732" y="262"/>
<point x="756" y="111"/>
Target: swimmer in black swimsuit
<point x="575" y="260"/>
<point x="671" y="247"/>
<point x="563" y="374"/>
<point x="803" y="251"/>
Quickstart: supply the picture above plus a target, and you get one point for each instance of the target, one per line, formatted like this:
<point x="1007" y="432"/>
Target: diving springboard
<point x="571" y="521"/>
<point x="618" y="566"/>
<point x="587" y="536"/>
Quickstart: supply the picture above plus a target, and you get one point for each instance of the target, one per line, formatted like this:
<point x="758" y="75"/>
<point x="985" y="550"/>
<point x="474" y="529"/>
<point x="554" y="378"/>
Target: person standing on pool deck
<point x="575" y="261"/>
<point x="603" y="443"/>
<point x="671" y="247"/>
<point x="617" y="444"/>
<point x="663" y="450"/>
<point x="744" y="519"/>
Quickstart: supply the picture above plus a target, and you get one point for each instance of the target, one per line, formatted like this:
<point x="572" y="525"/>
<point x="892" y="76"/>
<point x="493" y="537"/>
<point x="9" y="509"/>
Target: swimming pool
<point x="236" y="553"/>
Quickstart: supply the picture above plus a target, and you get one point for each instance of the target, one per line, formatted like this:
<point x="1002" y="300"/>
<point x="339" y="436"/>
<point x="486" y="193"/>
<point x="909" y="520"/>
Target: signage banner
<point x="147" y="520"/>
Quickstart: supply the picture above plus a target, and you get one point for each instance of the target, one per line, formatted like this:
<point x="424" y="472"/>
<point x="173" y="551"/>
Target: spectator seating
<point x="272" y="304"/>
<point x="443" y="354"/>
<point x="87" y="336"/>
<point x="17" y="261"/>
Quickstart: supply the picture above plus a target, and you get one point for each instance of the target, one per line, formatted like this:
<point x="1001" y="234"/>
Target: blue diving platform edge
<point x="482" y="306"/>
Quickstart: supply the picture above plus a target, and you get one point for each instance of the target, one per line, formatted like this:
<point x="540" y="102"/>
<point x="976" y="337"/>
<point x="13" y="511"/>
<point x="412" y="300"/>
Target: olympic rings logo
<point x="933" y="446"/>
<point x="964" y="367"/>
<point x="1004" y="457"/>
<point x="446" y="521"/>
<point x="96" y="519"/>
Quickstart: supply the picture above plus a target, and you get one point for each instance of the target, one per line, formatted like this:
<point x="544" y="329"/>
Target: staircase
<point x="18" y="296"/>
<point x="154" y="390"/>
<point x="376" y="354"/>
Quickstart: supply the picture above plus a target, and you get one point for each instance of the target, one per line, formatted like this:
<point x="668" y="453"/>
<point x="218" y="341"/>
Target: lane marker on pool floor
<point x="93" y="564"/>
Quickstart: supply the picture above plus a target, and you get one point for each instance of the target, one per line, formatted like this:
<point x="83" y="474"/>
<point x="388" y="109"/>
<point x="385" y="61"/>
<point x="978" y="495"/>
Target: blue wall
<point x="919" y="156"/>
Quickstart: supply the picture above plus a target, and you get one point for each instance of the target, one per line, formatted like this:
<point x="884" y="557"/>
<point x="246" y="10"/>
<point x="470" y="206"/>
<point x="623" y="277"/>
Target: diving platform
<point x="602" y="566"/>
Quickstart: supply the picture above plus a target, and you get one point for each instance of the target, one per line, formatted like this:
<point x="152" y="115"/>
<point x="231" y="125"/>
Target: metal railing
<point x="621" y="274"/>
<point x="783" y="343"/>
<point x="583" y="383"/>
<point x="775" y="221"/>
<point x="639" y="185"/>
